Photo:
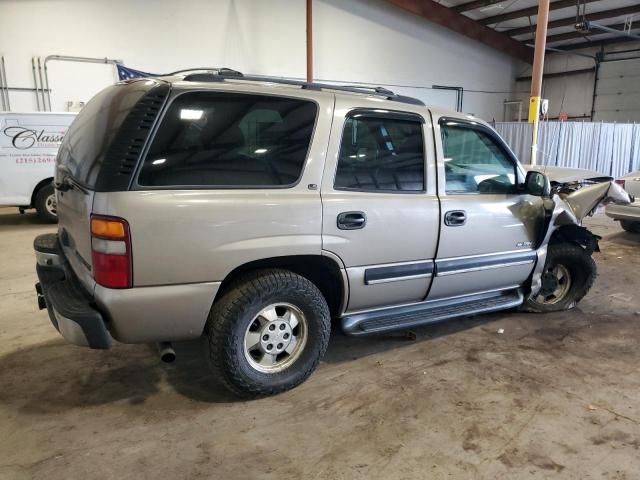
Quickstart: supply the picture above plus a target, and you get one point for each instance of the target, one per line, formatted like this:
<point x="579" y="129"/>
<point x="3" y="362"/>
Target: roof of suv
<point x="216" y="77"/>
<point x="226" y="75"/>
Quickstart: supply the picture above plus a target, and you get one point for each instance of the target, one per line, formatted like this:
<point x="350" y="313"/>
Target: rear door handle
<point x="455" y="218"/>
<point x="351" y="220"/>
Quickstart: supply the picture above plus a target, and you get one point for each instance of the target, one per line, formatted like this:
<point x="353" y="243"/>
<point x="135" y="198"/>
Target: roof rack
<point x="222" y="74"/>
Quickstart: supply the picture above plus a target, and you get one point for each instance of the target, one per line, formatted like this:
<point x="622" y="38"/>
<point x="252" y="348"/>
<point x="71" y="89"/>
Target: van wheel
<point x="46" y="205"/>
<point x="569" y="273"/>
<point x="267" y="333"/>
<point x="631" y="227"/>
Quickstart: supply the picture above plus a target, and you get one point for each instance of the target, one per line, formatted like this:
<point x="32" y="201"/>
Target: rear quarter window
<point x="214" y="139"/>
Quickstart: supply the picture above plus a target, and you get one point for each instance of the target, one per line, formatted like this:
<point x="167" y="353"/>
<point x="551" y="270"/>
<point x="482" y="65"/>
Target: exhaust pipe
<point x="166" y="351"/>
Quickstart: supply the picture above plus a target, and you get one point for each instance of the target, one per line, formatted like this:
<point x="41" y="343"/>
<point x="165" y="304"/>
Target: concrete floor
<point x="553" y="396"/>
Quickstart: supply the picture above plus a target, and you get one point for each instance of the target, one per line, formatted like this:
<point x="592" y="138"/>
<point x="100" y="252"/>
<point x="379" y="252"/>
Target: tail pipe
<point x="166" y="351"/>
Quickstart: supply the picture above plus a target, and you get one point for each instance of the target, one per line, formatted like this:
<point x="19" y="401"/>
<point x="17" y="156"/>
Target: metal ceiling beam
<point x="528" y="12"/>
<point x="597" y="43"/>
<point x="436" y="13"/>
<point x="465" y="7"/>
<point x="576" y="34"/>
<point x="565" y="22"/>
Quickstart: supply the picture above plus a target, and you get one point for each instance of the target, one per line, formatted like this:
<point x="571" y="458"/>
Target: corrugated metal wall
<point x="609" y="148"/>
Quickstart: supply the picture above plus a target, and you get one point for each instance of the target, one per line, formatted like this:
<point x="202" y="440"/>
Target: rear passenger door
<point x="380" y="208"/>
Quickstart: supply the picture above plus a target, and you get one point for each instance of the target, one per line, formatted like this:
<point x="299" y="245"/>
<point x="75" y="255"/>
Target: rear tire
<point x="569" y="273"/>
<point x="45" y="204"/>
<point x="267" y="333"/>
<point x="631" y="227"/>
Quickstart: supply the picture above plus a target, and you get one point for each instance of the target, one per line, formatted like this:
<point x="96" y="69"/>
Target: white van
<point x="28" y="146"/>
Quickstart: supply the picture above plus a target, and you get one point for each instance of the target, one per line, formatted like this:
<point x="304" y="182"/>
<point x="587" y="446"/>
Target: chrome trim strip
<point x="397" y="279"/>
<point x="484" y="267"/>
<point x="483" y="255"/>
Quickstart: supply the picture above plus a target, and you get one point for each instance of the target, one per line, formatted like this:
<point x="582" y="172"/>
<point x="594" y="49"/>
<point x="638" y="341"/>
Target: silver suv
<point x="253" y="211"/>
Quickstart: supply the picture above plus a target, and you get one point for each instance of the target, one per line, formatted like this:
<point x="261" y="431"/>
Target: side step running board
<point x="429" y="312"/>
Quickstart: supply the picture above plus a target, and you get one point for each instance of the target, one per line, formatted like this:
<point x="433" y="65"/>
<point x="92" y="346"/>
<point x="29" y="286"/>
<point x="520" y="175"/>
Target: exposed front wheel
<point x="632" y="227"/>
<point x="569" y="273"/>
<point x="45" y="204"/>
<point x="268" y="333"/>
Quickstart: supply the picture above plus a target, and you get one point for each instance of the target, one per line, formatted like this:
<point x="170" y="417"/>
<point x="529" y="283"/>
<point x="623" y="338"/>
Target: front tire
<point x="569" y="273"/>
<point x="267" y="333"/>
<point x="631" y="227"/>
<point x="45" y="204"/>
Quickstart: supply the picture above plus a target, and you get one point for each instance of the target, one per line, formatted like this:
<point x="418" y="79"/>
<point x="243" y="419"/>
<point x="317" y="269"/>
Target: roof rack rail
<point x="221" y="74"/>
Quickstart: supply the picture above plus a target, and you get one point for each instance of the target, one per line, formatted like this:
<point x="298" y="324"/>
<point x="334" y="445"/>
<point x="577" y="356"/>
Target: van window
<point x="380" y="154"/>
<point x="230" y="140"/>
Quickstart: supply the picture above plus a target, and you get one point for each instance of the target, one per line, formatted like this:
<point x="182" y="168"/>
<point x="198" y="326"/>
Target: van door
<point x="380" y="208"/>
<point x="489" y="227"/>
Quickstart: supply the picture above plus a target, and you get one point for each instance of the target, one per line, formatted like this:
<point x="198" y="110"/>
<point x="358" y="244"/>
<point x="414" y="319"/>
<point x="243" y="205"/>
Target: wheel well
<point x="576" y="234"/>
<point x="41" y="184"/>
<point x="322" y="271"/>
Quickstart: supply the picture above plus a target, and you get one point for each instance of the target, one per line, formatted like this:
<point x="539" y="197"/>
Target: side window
<point x="380" y="154"/>
<point x="475" y="163"/>
<point x="230" y="140"/>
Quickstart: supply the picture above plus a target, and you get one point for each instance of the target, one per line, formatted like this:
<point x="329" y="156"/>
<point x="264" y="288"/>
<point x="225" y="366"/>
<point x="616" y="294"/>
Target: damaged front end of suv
<point x="564" y="244"/>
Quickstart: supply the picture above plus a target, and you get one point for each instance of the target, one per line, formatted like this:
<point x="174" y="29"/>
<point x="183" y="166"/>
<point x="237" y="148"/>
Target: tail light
<point x="111" y="252"/>
<point x="620" y="182"/>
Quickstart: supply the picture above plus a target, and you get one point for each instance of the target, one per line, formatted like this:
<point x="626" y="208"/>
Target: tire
<point x="245" y="314"/>
<point x="566" y="261"/>
<point x="631" y="227"/>
<point x="45" y="204"/>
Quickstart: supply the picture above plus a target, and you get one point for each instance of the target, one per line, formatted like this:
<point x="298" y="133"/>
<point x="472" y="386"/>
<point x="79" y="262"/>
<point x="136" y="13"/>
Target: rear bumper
<point x="69" y="305"/>
<point x="131" y="315"/>
<point x="629" y="213"/>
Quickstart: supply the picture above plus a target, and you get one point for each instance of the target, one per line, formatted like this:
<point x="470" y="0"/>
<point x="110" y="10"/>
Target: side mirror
<point x="537" y="184"/>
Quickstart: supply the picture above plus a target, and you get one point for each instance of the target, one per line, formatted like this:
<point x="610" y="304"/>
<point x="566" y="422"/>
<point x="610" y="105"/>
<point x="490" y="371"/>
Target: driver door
<point x="488" y="225"/>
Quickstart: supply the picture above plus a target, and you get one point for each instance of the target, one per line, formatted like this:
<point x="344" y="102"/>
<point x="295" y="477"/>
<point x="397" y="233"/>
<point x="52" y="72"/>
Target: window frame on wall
<point x="380" y="114"/>
<point x="498" y="142"/>
<point x="168" y="108"/>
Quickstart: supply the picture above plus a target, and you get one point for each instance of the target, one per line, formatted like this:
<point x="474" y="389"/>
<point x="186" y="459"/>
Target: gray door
<point x="488" y="227"/>
<point x="380" y="208"/>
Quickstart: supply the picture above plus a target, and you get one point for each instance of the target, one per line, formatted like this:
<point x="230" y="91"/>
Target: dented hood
<point x="584" y="201"/>
<point x="569" y="175"/>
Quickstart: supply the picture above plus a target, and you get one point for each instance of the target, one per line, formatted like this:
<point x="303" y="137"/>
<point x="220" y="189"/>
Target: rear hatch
<point x="99" y="153"/>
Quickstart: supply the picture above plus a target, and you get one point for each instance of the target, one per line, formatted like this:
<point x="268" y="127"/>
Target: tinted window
<point x="475" y="162"/>
<point x="230" y="139"/>
<point x="381" y="154"/>
<point x="89" y="137"/>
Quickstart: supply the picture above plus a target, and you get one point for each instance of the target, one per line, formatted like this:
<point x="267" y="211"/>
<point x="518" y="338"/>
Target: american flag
<point x="126" y="73"/>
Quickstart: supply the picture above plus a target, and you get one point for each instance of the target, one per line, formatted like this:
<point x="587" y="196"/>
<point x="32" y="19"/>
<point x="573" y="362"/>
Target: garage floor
<point x="553" y="396"/>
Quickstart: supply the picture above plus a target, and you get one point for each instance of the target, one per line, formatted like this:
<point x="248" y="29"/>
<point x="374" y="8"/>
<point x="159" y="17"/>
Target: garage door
<point x="618" y="91"/>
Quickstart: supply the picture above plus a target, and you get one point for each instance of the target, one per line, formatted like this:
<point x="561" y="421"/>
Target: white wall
<point x="366" y="41"/>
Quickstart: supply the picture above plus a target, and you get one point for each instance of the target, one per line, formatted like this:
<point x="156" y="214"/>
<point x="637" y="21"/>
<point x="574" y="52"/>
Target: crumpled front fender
<point x="567" y="212"/>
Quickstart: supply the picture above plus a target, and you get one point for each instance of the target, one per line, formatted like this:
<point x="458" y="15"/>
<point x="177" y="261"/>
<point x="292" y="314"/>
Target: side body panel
<point x="201" y="235"/>
<point x="401" y="230"/>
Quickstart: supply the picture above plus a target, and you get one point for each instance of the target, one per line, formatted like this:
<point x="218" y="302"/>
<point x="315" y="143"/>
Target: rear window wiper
<point x="67" y="184"/>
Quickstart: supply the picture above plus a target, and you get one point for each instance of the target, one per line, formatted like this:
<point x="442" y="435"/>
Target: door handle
<point x="455" y="218"/>
<point x="351" y="220"/>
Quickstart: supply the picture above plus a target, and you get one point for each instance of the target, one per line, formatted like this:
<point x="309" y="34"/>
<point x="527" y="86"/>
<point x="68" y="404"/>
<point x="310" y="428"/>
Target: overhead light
<point x="159" y="161"/>
<point x="260" y="151"/>
<point x="188" y="114"/>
